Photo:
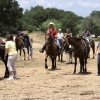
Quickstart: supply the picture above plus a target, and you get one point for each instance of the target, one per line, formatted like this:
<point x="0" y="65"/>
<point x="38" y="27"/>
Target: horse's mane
<point x="76" y="38"/>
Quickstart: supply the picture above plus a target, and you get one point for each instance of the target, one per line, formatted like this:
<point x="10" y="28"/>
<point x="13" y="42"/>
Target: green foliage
<point x="92" y="22"/>
<point x="11" y="14"/>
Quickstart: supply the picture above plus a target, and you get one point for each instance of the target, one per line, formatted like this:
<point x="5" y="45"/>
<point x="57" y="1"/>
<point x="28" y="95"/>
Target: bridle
<point x="66" y="42"/>
<point x="74" y="47"/>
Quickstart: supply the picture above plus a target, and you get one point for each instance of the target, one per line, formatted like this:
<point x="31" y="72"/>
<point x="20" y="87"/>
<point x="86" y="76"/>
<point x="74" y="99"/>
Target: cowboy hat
<point x="59" y="29"/>
<point x="51" y="23"/>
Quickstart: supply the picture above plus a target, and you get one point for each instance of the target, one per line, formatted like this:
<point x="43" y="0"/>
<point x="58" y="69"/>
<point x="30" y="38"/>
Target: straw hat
<point x="51" y="23"/>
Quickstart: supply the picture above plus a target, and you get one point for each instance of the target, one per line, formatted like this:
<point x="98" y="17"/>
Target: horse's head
<point x="49" y="39"/>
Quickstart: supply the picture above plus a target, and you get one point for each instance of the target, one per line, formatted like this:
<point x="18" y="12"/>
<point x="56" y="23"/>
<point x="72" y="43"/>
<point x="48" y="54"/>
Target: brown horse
<point x="51" y="51"/>
<point x="68" y="50"/>
<point x="80" y="51"/>
<point x="2" y="52"/>
<point x="19" y="46"/>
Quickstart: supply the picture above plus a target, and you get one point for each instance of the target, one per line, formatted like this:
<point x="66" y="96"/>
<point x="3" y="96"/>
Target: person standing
<point x="31" y="48"/>
<point x="10" y="49"/>
<point x="98" y="56"/>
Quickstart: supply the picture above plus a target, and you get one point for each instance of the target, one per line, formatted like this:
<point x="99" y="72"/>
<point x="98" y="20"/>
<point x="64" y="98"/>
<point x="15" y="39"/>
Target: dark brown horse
<point x="68" y="50"/>
<point x="51" y="51"/>
<point x="19" y="46"/>
<point x="80" y="51"/>
<point x="2" y="52"/>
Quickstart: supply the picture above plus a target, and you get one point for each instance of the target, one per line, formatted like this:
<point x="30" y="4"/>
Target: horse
<point x="60" y="55"/>
<point x="2" y="52"/>
<point x="68" y="50"/>
<point x="19" y="46"/>
<point x="81" y="52"/>
<point x="51" y="51"/>
<point x="92" y="45"/>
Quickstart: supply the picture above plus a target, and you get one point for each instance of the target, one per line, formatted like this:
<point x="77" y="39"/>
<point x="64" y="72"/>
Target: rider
<point x="52" y="31"/>
<point x="86" y="35"/>
<point x="68" y="34"/>
<point x="25" y="39"/>
<point x="60" y="35"/>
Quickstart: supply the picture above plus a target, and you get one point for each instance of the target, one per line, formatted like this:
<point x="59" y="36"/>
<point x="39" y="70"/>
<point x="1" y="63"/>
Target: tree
<point x="11" y="14"/>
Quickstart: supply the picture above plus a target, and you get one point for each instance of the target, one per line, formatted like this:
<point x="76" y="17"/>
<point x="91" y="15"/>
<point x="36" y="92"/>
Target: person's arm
<point x="97" y="49"/>
<point x="89" y="35"/>
<point x="70" y="34"/>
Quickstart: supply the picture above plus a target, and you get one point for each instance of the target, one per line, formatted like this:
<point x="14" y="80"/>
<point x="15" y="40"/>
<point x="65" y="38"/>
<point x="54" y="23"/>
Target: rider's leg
<point x="43" y="47"/>
<point x="60" y="49"/>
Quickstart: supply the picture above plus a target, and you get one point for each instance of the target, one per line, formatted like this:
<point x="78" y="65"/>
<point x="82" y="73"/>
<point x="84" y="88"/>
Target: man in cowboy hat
<point x="52" y="31"/>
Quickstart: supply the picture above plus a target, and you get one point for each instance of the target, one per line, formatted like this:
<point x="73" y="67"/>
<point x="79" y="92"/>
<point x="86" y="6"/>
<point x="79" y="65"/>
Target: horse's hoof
<point x="6" y="76"/>
<point x="46" y="67"/>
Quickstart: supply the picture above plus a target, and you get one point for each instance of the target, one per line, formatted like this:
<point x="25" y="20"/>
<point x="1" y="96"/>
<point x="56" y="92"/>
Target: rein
<point x="66" y="42"/>
<point x="79" y="48"/>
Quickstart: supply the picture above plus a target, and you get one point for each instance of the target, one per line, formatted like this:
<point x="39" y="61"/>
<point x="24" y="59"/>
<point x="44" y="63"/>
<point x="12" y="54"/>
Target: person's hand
<point x="95" y="54"/>
<point x="50" y="30"/>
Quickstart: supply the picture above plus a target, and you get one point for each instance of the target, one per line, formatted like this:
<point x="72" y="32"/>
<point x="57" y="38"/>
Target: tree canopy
<point x="37" y="19"/>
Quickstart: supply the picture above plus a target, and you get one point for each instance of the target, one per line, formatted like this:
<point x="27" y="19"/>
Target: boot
<point x="41" y="50"/>
<point x="60" y="50"/>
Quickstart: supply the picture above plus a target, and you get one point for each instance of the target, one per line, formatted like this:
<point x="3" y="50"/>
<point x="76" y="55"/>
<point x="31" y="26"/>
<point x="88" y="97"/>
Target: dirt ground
<point x="37" y="83"/>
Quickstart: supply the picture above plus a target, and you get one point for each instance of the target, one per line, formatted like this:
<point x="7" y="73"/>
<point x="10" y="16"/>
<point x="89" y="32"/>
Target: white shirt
<point x="60" y="36"/>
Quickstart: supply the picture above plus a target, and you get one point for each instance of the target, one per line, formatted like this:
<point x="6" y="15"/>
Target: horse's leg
<point x="85" y="62"/>
<point x="6" y="71"/>
<point x="20" y="54"/>
<point x="93" y="50"/>
<point x="6" y="75"/>
<point x="55" y="63"/>
<point x="75" y="65"/>
<point x="67" y="55"/>
<point x="58" y="57"/>
<point x="53" y="67"/>
<point x="24" y="54"/>
<point x="46" y="66"/>
<point x="81" y="65"/>
<point x="61" y="55"/>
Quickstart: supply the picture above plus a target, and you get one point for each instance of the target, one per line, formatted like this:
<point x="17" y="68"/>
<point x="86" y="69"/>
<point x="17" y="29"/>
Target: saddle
<point x="2" y="45"/>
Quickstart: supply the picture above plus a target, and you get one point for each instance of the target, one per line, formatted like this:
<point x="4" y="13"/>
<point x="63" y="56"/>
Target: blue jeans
<point x="57" y="42"/>
<point x="98" y="63"/>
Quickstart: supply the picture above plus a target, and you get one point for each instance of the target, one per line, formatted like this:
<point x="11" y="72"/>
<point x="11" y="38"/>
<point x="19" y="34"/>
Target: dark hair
<point x="9" y="37"/>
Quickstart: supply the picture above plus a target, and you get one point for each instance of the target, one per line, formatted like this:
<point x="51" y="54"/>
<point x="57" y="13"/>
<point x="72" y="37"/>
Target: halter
<point x="66" y="42"/>
<point x="79" y="47"/>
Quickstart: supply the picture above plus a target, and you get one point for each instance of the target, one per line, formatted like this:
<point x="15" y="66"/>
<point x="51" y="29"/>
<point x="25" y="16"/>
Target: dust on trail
<point x="37" y="83"/>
